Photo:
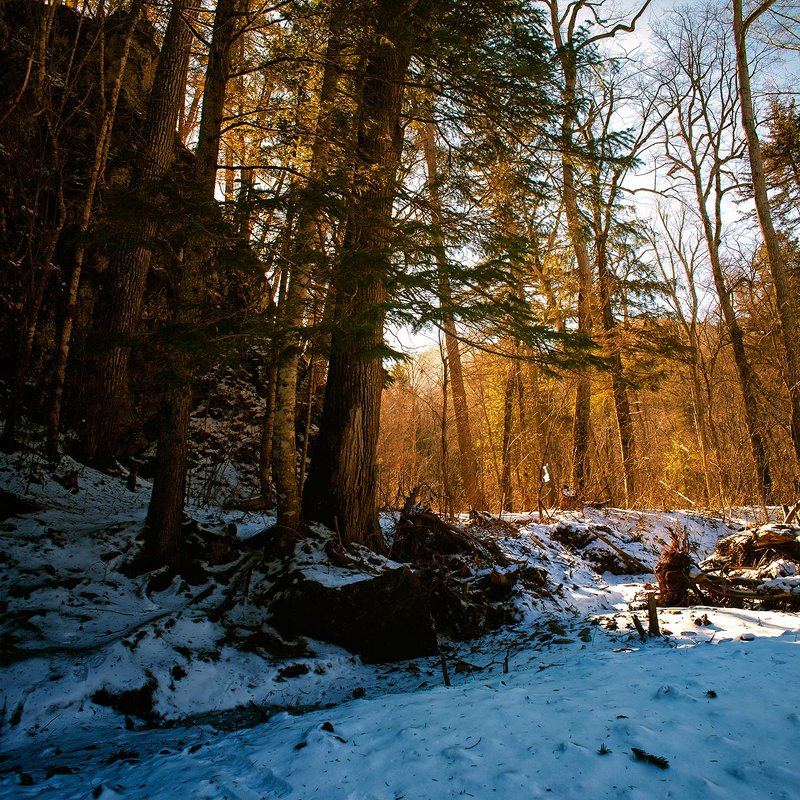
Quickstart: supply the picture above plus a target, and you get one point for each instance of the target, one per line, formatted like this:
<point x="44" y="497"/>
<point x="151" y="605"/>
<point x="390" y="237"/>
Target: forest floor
<point x="112" y="686"/>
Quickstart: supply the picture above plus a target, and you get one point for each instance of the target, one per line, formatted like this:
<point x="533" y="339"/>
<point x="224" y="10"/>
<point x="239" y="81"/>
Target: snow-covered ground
<point x="553" y="707"/>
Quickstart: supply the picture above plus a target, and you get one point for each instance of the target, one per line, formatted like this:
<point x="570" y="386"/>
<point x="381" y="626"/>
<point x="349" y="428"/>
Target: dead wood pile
<point x="467" y="572"/>
<point x="595" y="545"/>
<point x="759" y="566"/>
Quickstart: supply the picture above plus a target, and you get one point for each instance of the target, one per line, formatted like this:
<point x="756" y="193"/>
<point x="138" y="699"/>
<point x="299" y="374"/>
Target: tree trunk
<point x="267" y="429"/>
<point x="164" y="514"/>
<point x="169" y="484"/>
<point x="306" y="253"/>
<point x="102" y="148"/>
<point x="466" y="450"/>
<point x="120" y="305"/>
<point x="712" y="230"/>
<point x="506" y="488"/>
<point x="619" y="389"/>
<point x="341" y="488"/>
<point x="45" y="265"/>
<point x="583" y="394"/>
<point x="787" y="308"/>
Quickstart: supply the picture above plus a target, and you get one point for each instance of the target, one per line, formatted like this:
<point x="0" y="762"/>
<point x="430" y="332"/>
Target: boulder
<point x="381" y="617"/>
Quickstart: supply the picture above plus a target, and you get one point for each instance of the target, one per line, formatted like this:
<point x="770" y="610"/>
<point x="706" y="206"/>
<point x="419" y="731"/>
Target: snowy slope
<point x="227" y="720"/>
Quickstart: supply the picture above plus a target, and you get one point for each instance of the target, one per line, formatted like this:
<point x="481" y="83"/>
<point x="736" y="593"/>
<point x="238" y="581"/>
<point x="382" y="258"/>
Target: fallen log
<point x="740" y="590"/>
<point x="640" y="566"/>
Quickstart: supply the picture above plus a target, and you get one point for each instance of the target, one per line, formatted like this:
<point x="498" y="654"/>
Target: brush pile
<point x="469" y="576"/>
<point x="758" y="566"/>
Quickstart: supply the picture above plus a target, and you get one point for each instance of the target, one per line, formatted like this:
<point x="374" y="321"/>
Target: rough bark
<point x="305" y="255"/>
<point x="583" y="396"/>
<point x="341" y="488"/>
<point x="43" y="265"/>
<point x="102" y="148"/>
<point x="619" y="389"/>
<point x="787" y="304"/>
<point x="506" y="487"/>
<point x="119" y="309"/>
<point x="169" y="485"/>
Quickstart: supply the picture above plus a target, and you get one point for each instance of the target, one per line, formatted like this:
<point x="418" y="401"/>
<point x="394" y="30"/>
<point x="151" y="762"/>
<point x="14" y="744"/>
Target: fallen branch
<point x="632" y="560"/>
<point x="26" y="652"/>
<point x="724" y="587"/>
<point x="649" y="758"/>
<point x="792" y="513"/>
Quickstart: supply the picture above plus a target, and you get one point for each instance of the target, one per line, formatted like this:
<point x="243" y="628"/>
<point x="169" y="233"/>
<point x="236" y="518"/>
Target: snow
<point x="715" y="695"/>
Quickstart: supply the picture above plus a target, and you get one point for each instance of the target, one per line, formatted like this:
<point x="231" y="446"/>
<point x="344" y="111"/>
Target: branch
<point x="756" y="13"/>
<point x="622" y="27"/>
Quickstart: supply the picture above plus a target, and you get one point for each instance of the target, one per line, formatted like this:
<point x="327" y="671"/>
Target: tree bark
<point x="119" y="309"/>
<point x="306" y="253"/>
<point x="583" y="396"/>
<point x="787" y="304"/>
<point x="102" y="148"/>
<point x="619" y="389"/>
<point x="341" y="488"/>
<point x="35" y="299"/>
<point x="165" y="512"/>
<point x="506" y="487"/>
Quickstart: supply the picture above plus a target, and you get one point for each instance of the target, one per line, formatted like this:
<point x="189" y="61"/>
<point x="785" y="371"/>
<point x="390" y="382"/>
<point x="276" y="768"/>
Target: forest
<point x="389" y="325"/>
<point x="213" y="216"/>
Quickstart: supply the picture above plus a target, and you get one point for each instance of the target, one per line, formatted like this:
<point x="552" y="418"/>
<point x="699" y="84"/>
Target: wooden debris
<point x="652" y="615"/>
<point x="744" y="569"/>
<point x="638" y="565"/>
<point x="445" y="673"/>
<point x="468" y="574"/>
<point x="672" y="573"/>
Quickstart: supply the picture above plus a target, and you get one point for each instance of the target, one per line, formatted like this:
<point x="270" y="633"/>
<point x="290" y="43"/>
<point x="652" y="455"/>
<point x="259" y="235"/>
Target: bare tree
<point x="787" y="302"/>
<point x="702" y="149"/>
<point x="572" y="46"/>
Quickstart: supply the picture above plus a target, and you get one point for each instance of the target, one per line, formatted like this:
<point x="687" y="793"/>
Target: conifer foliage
<point x="295" y="191"/>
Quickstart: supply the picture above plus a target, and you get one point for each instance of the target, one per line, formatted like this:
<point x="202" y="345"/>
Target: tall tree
<point x="678" y="245"/>
<point x="701" y="144"/>
<point x="466" y="449"/>
<point x="42" y="239"/>
<point x="306" y="252"/>
<point x="118" y="314"/>
<point x="165" y="513"/>
<point x="786" y="301"/>
<point x="341" y="488"/>
<point x="574" y="46"/>
<point x="102" y="147"/>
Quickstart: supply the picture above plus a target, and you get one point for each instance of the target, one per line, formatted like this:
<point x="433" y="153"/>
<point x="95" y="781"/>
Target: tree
<point x="782" y="161"/>
<point x="102" y="147"/>
<point x="117" y="317"/>
<point x="165" y="512"/>
<point x="786" y="301"/>
<point x="306" y="251"/>
<point x="341" y="488"/>
<point x="677" y="246"/>
<point x="573" y="46"/>
<point x="466" y="450"/>
<point x="703" y="96"/>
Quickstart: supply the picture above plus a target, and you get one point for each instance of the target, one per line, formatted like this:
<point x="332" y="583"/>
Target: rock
<point x="383" y="617"/>
<point x="13" y="505"/>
